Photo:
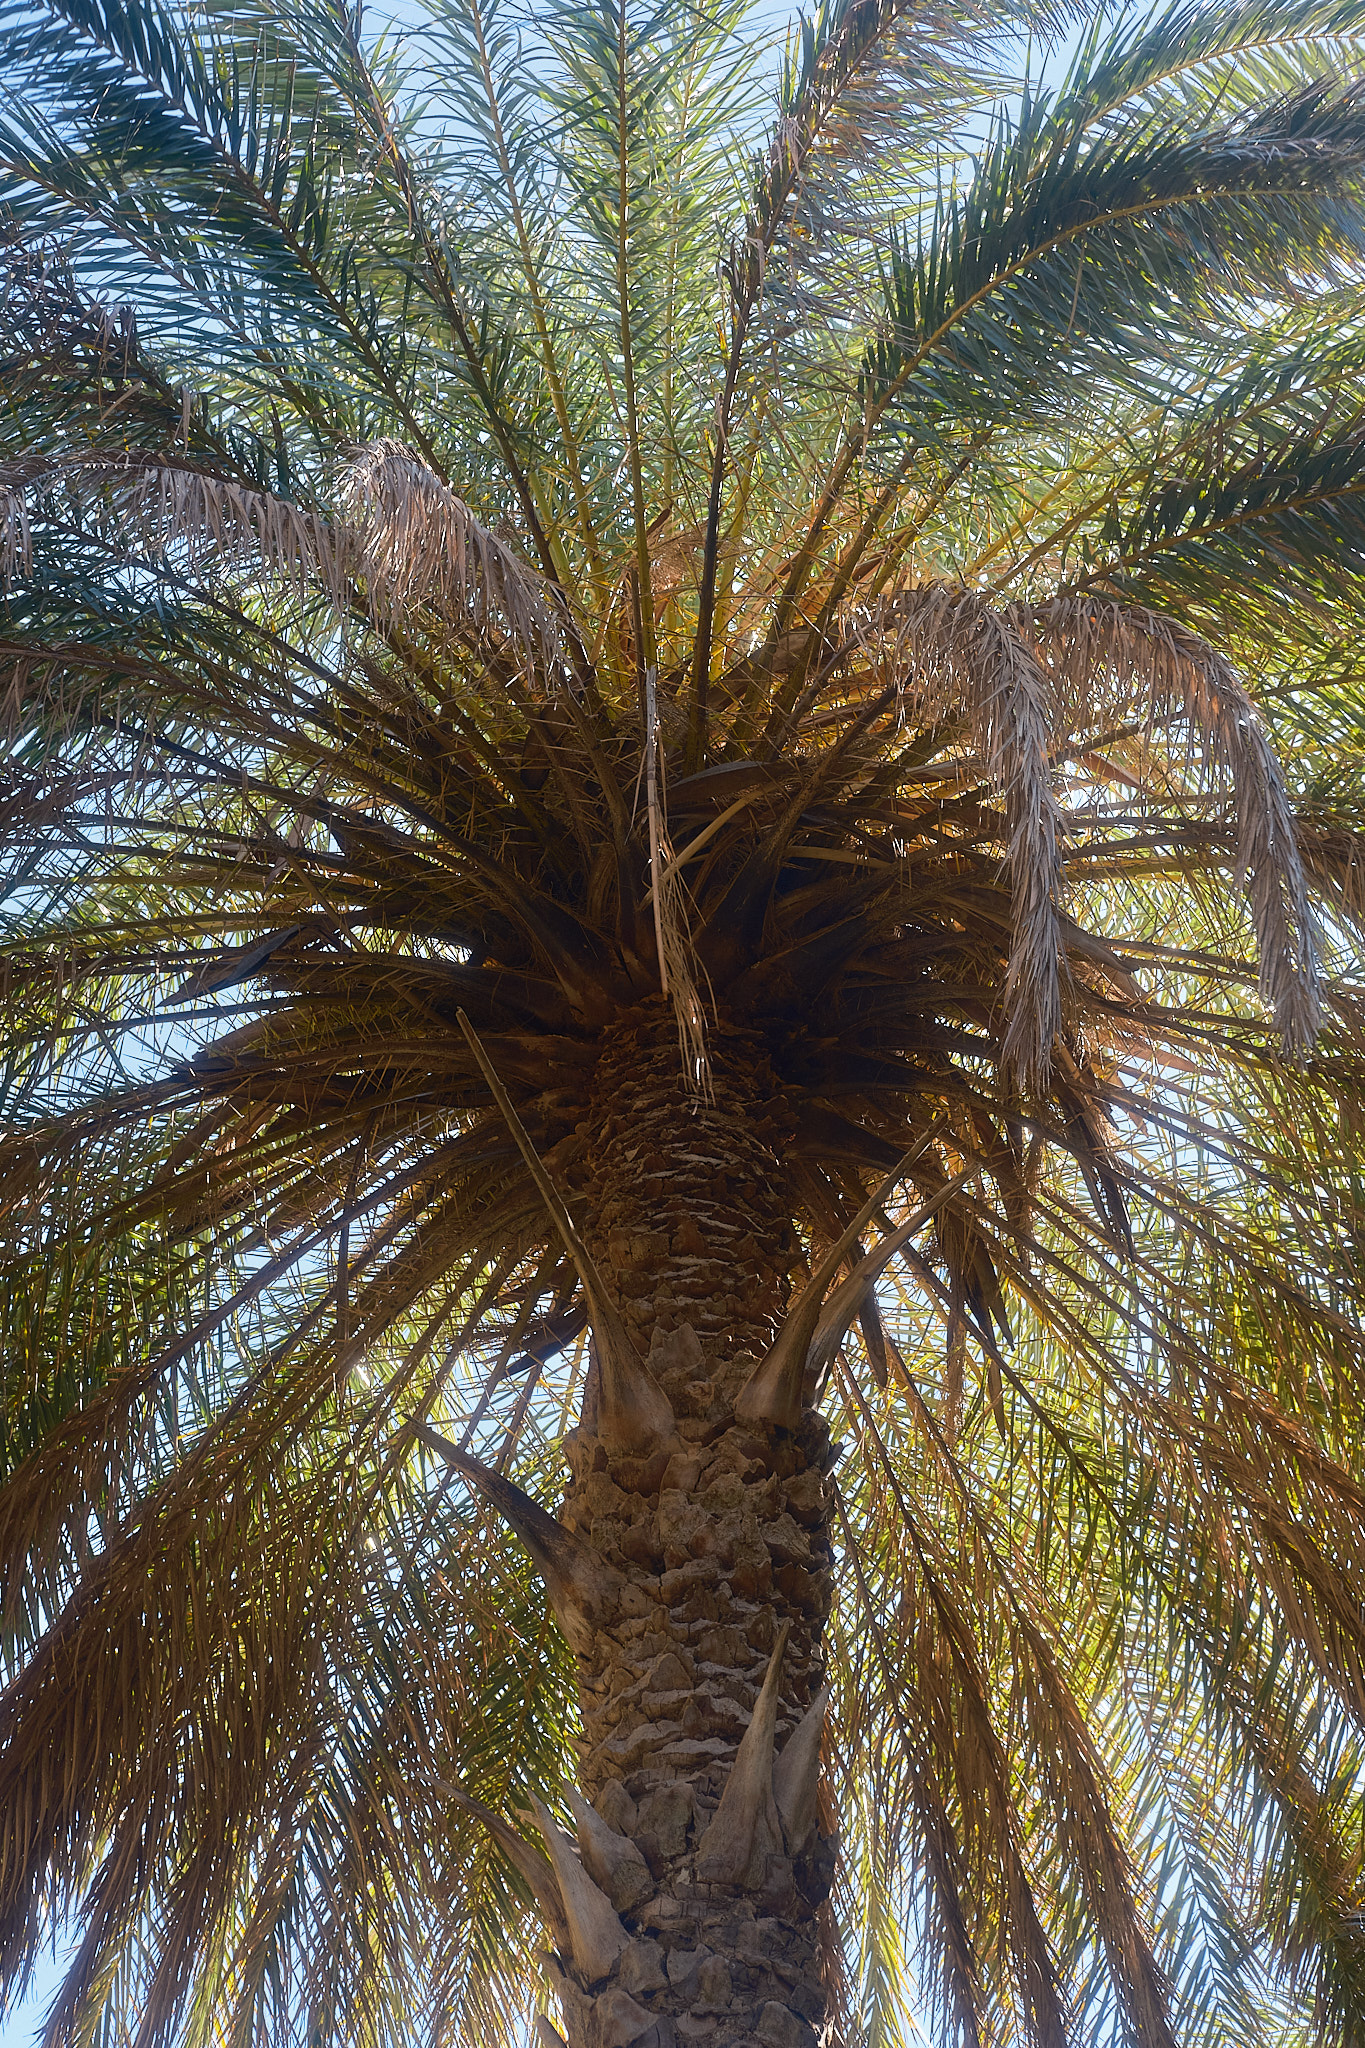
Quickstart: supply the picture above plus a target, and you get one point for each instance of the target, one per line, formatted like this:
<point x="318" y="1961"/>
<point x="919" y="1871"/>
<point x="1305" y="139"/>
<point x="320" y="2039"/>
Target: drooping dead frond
<point x="959" y="660"/>
<point x="415" y="544"/>
<point x="421" y="547"/>
<point x="156" y="507"/>
<point x="1335" y="858"/>
<point x="1124" y="655"/>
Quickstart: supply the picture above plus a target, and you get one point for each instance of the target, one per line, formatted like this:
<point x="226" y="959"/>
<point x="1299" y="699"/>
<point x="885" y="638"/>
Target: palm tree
<point x="675" y="779"/>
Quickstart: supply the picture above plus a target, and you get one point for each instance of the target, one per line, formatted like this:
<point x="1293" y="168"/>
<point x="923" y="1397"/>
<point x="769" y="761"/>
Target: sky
<point x="19" y="2029"/>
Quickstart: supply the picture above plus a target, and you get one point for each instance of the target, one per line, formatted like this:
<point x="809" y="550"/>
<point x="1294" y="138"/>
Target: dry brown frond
<point x="420" y="547"/>
<point x="957" y="659"/>
<point x="1126" y="656"/>
<point x="416" y="545"/>
<point x="156" y="505"/>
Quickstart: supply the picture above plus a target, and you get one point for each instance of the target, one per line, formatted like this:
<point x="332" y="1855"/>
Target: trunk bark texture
<point x="701" y="1667"/>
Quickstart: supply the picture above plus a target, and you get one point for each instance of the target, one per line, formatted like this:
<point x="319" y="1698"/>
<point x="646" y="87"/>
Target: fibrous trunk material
<point x="693" y="1580"/>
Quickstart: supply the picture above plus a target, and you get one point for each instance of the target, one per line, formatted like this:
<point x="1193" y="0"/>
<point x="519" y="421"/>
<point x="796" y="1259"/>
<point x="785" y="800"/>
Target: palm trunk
<point x="700" y="1676"/>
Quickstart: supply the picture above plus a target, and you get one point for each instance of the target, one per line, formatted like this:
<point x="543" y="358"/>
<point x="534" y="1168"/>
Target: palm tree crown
<point x="609" y="696"/>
